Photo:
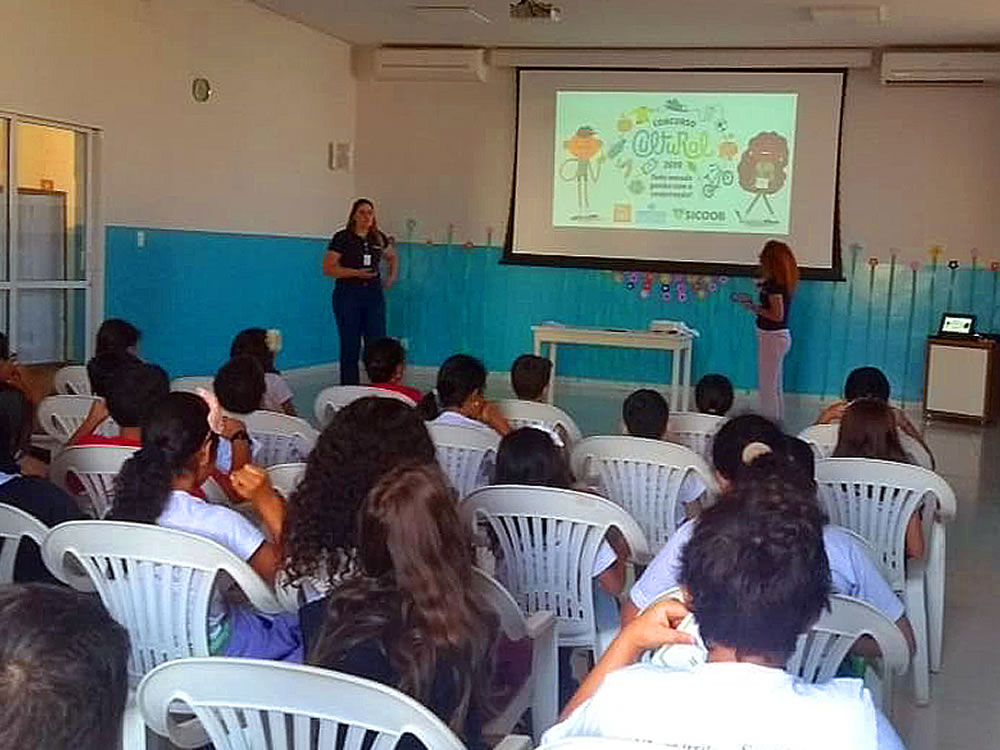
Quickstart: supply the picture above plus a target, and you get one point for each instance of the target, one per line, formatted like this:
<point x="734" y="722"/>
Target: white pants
<point x="772" y="346"/>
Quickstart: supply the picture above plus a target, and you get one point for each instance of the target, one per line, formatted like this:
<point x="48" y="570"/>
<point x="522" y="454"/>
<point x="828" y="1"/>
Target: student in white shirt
<point x="155" y="486"/>
<point x="755" y="575"/>
<point x="753" y="445"/>
<point x="255" y="342"/>
<point x="459" y="397"/>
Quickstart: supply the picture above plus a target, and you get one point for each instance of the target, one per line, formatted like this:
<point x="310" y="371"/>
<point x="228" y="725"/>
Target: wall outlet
<point x="274" y="339"/>
<point x="140" y="239"/>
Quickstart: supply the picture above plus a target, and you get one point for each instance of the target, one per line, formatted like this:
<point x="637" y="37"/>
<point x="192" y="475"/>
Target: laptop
<point x="957" y="326"/>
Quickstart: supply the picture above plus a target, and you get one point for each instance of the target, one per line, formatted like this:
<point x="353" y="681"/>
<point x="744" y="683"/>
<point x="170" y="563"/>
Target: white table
<point x="679" y="345"/>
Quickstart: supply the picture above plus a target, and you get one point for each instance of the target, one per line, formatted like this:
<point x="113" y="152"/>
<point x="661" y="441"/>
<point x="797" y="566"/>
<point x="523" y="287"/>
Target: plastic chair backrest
<point x="823" y="440"/>
<point x="693" y="430"/>
<point x="286" y="477"/>
<point x="819" y="652"/>
<point x="156" y="582"/>
<point x="283" y="439"/>
<point x="95" y="467"/>
<point x="520" y="413"/>
<point x="251" y="703"/>
<point x="192" y="383"/>
<point x="466" y="455"/>
<point x="72" y="380"/>
<point x="61" y="415"/>
<point x="334" y="398"/>
<point x="643" y="476"/>
<point x="876" y="499"/>
<point x="549" y="540"/>
<point x="15" y="525"/>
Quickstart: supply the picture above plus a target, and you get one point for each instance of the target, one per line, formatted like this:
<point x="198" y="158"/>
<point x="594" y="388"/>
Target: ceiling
<point x="650" y="23"/>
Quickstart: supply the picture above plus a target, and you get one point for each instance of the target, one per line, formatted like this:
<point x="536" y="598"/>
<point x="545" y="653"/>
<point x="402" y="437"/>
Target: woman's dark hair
<point x="373" y="232"/>
<point x="756" y="569"/>
<point x="116" y="335"/>
<point x="382" y="357"/>
<point x="416" y="595"/>
<point x="240" y="385"/>
<point x="103" y="369"/>
<point x="458" y="378"/>
<point x="16" y="422"/>
<point x="365" y="439"/>
<point x="868" y="430"/>
<point x="645" y="413"/>
<point x="172" y="435"/>
<point x="528" y="456"/>
<point x="735" y="435"/>
<point x="714" y="395"/>
<point x="866" y="382"/>
<point x="529" y="375"/>
<point x="252" y="342"/>
<point x="135" y="389"/>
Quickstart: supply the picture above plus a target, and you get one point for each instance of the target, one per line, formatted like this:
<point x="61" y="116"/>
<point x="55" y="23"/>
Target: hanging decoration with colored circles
<point x="670" y="287"/>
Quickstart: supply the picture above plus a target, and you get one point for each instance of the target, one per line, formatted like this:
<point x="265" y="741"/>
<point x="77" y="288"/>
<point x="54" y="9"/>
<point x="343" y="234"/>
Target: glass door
<point x="46" y="227"/>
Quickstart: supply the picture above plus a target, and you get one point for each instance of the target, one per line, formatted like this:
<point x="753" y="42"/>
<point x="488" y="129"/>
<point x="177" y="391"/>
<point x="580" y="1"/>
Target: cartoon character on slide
<point x="762" y="169"/>
<point x="582" y="165"/>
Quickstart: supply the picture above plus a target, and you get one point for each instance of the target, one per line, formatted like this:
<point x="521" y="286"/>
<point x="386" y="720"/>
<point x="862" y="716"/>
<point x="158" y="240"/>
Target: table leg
<point x="552" y="380"/>
<point x="688" y="352"/>
<point x="675" y="367"/>
<point x="538" y="345"/>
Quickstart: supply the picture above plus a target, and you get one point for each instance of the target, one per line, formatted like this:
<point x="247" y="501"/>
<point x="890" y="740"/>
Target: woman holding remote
<point x="352" y="258"/>
<point x="779" y="278"/>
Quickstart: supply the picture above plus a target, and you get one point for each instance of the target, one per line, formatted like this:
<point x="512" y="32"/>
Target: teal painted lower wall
<point x="190" y="292"/>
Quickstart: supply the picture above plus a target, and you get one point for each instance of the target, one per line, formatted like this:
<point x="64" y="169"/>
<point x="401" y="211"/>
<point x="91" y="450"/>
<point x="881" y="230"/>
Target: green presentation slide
<point x="694" y="162"/>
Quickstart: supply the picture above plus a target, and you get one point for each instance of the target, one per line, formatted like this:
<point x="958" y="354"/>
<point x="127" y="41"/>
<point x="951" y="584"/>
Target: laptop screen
<point x="957" y="324"/>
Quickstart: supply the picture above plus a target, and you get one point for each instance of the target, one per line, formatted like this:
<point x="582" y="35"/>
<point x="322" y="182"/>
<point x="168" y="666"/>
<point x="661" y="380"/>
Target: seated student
<point x="156" y="486"/>
<point x="755" y="575"/>
<point x="529" y="377"/>
<point x="870" y="382"/>
<point x="119" y="336"/>
<point x="34" y="495"/>
<point x="412" y="619"/>
<point x="385" y="364"/>
<point x="102" y="369"/>
<point x="253" y="342"/>
<point x="239" y="386"/>
<point x="713" y="394"/>
<point x="459" y="397"/>
<point x="364" y="440"/>
<point x="868" y="430"/>
<point x="134" y="388"/>
<point x="63" y="670"/>
<point x="10" y="370"/>
<point x="751" y="445"/>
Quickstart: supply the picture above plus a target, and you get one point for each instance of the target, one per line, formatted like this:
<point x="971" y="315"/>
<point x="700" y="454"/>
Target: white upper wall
<point x="919" y="165"/>
<point x="251" y="159"/>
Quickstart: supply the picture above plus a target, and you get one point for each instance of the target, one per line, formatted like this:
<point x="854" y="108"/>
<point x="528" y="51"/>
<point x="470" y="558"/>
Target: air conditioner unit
<point x="940" y="67"/>
<point x="430" y="64"/>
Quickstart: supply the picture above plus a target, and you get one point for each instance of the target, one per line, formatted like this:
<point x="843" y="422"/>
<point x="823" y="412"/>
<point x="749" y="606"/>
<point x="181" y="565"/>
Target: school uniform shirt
<point x="766" y="290"/>
<point x="730" y="706"/>
<point x="185" y="512"/>
<point x="851" y="571"/>
<point x="276" y="392"/>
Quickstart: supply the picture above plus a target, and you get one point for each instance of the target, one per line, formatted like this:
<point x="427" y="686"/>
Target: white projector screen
<point x="676" y="170"/>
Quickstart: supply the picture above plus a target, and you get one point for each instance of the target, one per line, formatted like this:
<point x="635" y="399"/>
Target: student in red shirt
<point x="135" y="388"/>
<point x="385" y="363"/>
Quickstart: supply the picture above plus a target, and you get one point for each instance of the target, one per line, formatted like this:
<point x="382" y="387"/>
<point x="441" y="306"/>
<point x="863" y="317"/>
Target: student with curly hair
<point x="366" y="439"/>
<point x="412" y="619"/>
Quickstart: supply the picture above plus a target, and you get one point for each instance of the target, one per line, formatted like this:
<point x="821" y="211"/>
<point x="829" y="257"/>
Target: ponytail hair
<point x="172" y="435"/>
<point x="458" y="378"/>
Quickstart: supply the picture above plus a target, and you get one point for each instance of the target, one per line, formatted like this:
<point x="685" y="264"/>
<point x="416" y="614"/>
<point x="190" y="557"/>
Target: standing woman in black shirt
<point x="779" y="278"/>
<point x="352" y="258"/>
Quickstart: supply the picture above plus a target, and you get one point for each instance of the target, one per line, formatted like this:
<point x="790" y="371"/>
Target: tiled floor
<point x="965" y="703"/>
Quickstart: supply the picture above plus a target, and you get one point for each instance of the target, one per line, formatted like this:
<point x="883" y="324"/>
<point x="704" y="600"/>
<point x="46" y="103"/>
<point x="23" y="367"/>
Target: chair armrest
<point x="540" y="623"/>
<point x="514" y="742"/>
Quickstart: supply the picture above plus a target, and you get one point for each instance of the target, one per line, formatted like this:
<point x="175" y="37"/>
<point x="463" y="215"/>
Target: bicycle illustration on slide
<point x="715" y="178"/>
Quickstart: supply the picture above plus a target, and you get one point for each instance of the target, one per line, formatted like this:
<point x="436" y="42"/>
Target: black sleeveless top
<point x="766" y="290"/>
<point x="355" y="250"/>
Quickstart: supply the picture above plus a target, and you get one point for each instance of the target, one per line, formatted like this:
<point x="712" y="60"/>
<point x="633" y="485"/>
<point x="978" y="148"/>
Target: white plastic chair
<point x="876" y="499"/>
<point x="283" y="439"/>
<point x="192" y="383"/>
<point x="540" y="692"/>
<point x="823" y="440"/>
<point x="467" y="455"/>
<point x="602" y="743"/>
<point x="819" y="653"/>
<point x="549" y="539"/>
<point x="251" y="704"/>
<point x="336" y="397"/>
<point x="520" y="413"/>
<point x="95" y="467"/>
<point x="644" y="477"/>
<point x="60" y="416"/>
<point x="15" y="525"/>
<point x="693" y="430"/>
<point x="286" y="477"/>
<point x="157" y="583"/>
<point x="72" y="380"/>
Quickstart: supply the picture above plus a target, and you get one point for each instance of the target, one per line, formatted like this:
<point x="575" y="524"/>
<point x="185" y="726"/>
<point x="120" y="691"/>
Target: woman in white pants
<point x="779" y="277"/>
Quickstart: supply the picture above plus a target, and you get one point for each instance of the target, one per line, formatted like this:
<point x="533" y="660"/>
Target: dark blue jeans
<point x="360" y="311"/>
